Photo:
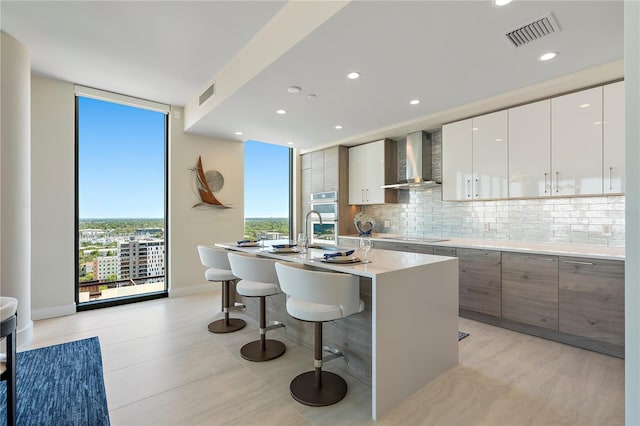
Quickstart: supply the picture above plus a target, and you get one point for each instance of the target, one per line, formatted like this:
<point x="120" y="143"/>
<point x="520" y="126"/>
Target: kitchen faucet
<point x="306" y="222"/>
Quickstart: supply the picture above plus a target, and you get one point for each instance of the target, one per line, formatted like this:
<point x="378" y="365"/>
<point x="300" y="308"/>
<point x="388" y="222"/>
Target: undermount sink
<point x="418" y="239"/>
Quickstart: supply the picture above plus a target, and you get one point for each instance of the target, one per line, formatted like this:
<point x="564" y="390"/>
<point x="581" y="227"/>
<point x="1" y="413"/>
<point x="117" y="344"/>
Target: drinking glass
<point x="302" y="242"/>
<point x="365" y="245"/>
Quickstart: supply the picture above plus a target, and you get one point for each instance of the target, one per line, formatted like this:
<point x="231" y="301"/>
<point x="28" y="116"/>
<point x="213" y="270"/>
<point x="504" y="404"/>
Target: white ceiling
<point x="452" y="55"/>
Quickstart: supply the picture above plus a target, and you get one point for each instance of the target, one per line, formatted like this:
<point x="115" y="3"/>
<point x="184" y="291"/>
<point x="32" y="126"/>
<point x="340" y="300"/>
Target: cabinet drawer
<point x="444" y="251"/>
<point x="591" y="293"/>
<point x="480" y="299"/>
<point x="411" y="248"/>
<point x="479" y="268"/>
<point x="530" y="289"/>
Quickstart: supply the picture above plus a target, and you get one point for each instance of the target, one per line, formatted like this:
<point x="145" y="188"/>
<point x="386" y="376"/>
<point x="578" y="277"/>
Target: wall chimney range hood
<point x="418" y="163"/>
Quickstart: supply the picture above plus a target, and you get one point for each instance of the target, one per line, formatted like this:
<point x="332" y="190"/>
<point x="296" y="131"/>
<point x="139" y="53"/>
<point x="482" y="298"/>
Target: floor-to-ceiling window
<point x="267" y="191"/>
<point x="121" y="197"/>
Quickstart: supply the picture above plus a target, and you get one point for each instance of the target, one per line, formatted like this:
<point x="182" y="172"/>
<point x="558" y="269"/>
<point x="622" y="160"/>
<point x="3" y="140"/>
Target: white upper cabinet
<point x="357" y="159"/>
<point x="457" y="161"/>
<point x="474" y="158"/>
<point x="614" y="138"/>
<point x="370" y="166"/>
<point x="576" y="143"/>
<point x="530" y="150"/>
<point x="490" y="156"/>
<point x="565" y="146"/>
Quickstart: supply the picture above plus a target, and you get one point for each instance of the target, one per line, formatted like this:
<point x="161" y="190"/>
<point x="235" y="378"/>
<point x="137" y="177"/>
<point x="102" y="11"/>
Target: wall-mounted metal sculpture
<point x="205" y="184"/>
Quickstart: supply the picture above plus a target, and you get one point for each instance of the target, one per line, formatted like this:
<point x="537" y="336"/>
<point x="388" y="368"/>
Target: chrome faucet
<point x="306" y="222"/>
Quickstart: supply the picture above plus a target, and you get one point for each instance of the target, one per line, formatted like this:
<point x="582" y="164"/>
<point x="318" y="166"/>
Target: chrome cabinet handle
<point x="468" y="188"/>
<point x="557" y="173"/>
<point x="476" y="191"/>
<point x="362" y="195"/>
<point x="575" y="262"/>
<point x="610" y="178"/>
<point x="545" y="182"/>
<point x="367" y="199"/>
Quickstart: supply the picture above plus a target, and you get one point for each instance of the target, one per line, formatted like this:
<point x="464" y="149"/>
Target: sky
<point x="122" y="159"/>
<point x="266" y="180"/>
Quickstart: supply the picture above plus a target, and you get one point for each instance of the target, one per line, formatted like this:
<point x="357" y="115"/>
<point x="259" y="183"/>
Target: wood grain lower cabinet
<point x="530" y="289"/>
<point x="444" y="251"/>
<point x="408" y="247"/>
<point x="480" y="278"/>
<point x="591" y="299"/>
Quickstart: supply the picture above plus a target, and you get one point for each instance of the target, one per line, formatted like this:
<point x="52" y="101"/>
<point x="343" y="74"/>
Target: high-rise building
<point x="103" y="266"/>
<point x="140" y="258"/>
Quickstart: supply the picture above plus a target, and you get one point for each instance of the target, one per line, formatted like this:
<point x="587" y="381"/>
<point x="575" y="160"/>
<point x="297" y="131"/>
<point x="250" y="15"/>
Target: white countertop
<point x="381" y="261"/>
<point x="591" y="251"/>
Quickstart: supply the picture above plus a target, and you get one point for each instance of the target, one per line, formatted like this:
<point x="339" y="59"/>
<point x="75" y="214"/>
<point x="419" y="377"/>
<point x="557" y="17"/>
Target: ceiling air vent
<point x="534" y="30"/>
<point x="207" y="93"/>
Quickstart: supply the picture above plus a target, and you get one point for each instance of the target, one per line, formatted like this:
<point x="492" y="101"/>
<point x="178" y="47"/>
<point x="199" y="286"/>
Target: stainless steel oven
<point x="325" y="203"/>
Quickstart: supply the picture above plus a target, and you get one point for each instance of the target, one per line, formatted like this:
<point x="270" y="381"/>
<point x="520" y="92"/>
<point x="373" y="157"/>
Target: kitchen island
<point x="413" y="327"/>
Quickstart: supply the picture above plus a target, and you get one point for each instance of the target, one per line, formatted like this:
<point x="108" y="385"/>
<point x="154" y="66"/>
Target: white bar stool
<point x="220" y="271"/>
<point x="318" y="296"/>
<point x="258" y="278"/>
<point x="8" y="320"/>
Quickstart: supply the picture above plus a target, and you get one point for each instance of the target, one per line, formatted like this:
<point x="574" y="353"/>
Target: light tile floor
<point x="163" y="367"/>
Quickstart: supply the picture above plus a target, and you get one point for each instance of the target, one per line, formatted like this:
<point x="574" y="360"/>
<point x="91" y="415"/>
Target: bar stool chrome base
<point x="253" y="351"/>
<point x="226" y="326"/>
<point x="304" y="389"/>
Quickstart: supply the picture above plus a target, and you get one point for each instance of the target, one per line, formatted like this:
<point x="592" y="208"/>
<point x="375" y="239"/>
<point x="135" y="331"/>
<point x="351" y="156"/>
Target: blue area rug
<point x="60" y="385"/>
<point x="462" y="335"/>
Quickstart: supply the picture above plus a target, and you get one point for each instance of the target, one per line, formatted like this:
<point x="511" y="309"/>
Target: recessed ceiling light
<point x="585" y="105"/>
<point x="311" y="96"/>
<point x="294" y="89"/>
<point x="238" y="133"/>
<point x="475" y="128"/>
<point x="281" y="111"/>
<point x="415" y="102"/>
<point x="338" y="127"/>
<point x="289" y="143"/>
<point x="548" y="56"/>
<point x="353" y="75"/>
<point x="501" y="2"/>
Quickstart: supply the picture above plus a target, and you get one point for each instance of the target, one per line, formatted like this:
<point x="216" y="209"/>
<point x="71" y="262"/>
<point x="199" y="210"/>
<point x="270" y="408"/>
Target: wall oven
<point x="325" y="203"/>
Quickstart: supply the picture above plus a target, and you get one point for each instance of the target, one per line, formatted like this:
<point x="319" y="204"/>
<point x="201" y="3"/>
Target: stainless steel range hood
<point x="418" y="163"/>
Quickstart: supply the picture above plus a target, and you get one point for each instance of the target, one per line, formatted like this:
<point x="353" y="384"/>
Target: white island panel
<point x="415" y="330"/>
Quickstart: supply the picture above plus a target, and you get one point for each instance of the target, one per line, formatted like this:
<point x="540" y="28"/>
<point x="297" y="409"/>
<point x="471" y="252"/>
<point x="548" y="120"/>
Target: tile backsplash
<point x="577" y="220"/>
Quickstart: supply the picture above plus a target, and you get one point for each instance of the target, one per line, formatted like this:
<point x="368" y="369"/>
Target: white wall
<point x="53" y="164"/>
<point x="632" y="264"/>
<point x="52" y="201"/>
<point x="15" y="240"/>
<point x="189" y="226"/>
